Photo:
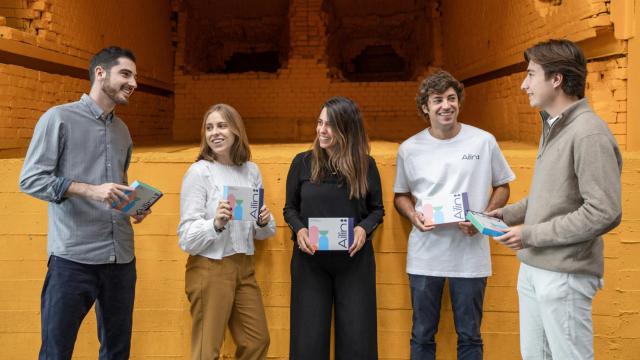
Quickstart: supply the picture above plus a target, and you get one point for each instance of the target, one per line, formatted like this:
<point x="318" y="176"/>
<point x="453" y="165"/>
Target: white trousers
<point x="555" y="314"/>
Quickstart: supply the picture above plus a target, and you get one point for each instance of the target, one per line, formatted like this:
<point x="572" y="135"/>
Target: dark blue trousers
<point x="69" y="291"/>
<point x="467" y="295"/>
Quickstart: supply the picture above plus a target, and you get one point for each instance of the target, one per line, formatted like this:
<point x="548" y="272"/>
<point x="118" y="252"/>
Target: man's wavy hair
<point x="437" y="83"/>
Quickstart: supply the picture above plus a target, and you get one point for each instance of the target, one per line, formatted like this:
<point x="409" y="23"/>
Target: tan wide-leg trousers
<point x="224" y="292"/>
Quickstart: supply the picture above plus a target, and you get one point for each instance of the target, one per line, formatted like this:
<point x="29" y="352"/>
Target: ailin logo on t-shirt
<point x="471" y="157"/>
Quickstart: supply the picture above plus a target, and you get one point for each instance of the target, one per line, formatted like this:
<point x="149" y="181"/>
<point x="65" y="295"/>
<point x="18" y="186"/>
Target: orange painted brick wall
<point x="284" y="107"/>
<point x="26" y="94"/>
<point x="82" y="27"/>
<point x="161" y="317"/>
<point x="476" y="38"/>
<point x="142" y="25"/>
<point x="502" y="30"/>
<point x="481" y="36"/>
<point x="77" y="29"/>
<point x="500" y="107"/>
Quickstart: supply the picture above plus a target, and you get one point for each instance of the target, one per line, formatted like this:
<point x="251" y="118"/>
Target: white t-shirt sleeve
<point x="501" y="173"/>
<point x="401" y="184"/>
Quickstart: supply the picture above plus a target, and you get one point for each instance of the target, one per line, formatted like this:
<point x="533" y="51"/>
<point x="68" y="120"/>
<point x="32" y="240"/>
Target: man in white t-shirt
<point x="448" y="157"/>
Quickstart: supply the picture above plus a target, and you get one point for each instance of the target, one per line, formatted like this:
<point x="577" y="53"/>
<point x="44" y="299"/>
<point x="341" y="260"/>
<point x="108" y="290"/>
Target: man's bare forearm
<point x="404" y="205"/>
<point x="499" y="197"/>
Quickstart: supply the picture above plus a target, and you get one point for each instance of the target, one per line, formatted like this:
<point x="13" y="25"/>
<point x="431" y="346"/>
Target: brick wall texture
<point x="473" y="39"/>
<point x="78" y="29"/>
<point x="500" y="107"/>
<point x="161" y="316"/>
<point x="282" y="106"/>
<point x="26" y="94"/>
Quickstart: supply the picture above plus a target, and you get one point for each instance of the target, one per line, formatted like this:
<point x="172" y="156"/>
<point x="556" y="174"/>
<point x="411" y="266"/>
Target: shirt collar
<point x="95" y="109"/>
<point x="551" y="120"/>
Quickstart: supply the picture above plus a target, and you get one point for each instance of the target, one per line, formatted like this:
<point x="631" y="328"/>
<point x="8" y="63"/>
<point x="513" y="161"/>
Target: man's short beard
<point x="112" y="92"/>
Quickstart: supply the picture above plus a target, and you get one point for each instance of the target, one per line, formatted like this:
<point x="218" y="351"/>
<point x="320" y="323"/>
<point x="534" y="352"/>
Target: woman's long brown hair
<point x="350" y="155"/>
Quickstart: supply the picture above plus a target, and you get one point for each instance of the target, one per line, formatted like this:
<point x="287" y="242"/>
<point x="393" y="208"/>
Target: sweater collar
<point x="568" y="113"/>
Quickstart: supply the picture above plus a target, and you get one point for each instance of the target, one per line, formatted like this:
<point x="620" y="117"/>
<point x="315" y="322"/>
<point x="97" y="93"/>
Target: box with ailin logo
<point x="245" y="201"/>
<point x="445" y="208"/>
<point x="331" y="233"/>
<point x="139" y="200"/>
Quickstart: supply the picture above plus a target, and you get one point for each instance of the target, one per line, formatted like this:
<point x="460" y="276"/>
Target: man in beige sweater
<point x="574" y="199"/>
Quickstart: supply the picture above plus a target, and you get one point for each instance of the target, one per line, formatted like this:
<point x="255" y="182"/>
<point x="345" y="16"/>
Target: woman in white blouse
<point x="220" y="281"/>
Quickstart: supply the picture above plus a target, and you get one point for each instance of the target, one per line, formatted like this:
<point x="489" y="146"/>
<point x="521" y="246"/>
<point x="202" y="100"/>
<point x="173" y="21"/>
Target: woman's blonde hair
<point x="240" y="151"/>
<point x="350" y="155"/>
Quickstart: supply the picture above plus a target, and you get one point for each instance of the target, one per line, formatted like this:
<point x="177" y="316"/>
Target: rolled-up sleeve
<point x="38" y="176"/>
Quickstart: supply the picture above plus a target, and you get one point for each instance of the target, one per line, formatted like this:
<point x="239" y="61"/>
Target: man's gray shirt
<point x="77" y="142"/>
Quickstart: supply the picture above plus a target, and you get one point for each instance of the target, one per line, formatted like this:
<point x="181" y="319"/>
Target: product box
<point x="139" y="200"/>
<point x="331" y="233"/>
<point x="487" y="225"/>
<point x="246" y="202"/>
<point x="445" y="208"/>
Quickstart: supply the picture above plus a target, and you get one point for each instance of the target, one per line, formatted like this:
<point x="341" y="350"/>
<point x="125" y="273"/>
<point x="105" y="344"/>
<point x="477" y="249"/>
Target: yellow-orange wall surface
<point x="79" y="28"/>
<point x="481" y="36"/>
<point x="25" y="94"/>
<point x="479" y="41"/>
<point x="69" y="33"/>
<point x="475" y="39"/>
<point x="161" y="317"/>
<point x="284" y="106"/>
<point x="502" y="30"/>
<point x="470" y="40"/>
<point x="500" y="107"/>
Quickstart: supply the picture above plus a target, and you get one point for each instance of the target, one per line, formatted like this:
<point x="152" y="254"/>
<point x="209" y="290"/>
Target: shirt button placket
<point x="107" y="144"/>
<point x="110" y="178"/>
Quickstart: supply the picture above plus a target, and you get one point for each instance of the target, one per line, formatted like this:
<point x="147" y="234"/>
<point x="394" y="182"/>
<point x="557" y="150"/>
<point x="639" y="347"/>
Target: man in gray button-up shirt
<point x="77" y="161"/>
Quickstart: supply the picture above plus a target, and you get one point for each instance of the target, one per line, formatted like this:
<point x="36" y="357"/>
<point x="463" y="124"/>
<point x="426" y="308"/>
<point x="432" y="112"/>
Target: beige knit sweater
<point x="574" y="197"/>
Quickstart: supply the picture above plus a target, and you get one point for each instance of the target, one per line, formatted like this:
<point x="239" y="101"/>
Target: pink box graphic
<point x="331" y="233"/>
<point x="139" y="200"/>
<point x="246" y="202"/>
<point x="445" y="208"/>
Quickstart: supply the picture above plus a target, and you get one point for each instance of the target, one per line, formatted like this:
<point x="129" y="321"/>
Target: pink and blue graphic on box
<point x="332" y="236"/>
<point x="139" y="200"/>
<point x="445" y="208"/>
<point x="245" y="202"/>
<point x="126" y="204"/>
